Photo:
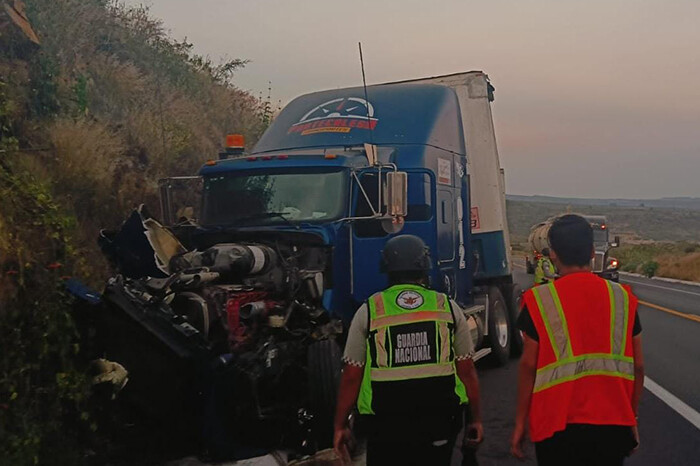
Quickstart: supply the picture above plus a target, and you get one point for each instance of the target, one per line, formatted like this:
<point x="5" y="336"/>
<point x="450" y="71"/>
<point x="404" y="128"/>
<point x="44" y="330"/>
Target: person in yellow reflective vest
<point x="581" y="372"/>
<point x="544" y="271"/>
<point x="408" y="367"/>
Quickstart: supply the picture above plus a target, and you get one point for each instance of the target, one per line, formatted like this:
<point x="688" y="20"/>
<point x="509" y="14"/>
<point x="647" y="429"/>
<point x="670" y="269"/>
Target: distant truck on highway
<point x="602" y="263"/>
<point x="254" y="284"/>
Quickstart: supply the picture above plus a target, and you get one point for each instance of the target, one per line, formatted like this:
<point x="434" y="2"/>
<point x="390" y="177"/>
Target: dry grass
<point x="685" y="267"/>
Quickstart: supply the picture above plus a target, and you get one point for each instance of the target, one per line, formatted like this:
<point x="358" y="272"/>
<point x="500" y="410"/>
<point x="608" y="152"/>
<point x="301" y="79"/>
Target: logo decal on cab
<point x="340" y="115"/>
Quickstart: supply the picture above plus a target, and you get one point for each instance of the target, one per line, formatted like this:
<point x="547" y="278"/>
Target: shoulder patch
<point x="409" y="299"/>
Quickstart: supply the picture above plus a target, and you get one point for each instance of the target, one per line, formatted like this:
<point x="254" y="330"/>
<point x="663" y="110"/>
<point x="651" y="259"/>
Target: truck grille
<point x="598" y="262"/>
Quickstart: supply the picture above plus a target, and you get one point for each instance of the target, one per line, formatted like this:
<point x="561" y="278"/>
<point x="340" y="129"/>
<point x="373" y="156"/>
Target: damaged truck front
<point x="224" y="321"/>
<point x="224" y="324"/>
<point x="231" y="317"/>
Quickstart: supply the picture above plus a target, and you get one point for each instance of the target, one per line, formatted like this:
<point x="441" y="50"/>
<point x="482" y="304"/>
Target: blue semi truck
<point x="253" y="275"/>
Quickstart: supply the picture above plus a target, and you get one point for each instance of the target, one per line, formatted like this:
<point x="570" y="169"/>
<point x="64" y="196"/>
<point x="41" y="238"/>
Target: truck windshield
<point x="273" y="198"/>
<point x="600" y="236"/>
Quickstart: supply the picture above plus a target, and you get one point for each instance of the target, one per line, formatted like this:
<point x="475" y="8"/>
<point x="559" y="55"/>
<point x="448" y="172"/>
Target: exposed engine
<point x="249" y="342"/>
<point x="255" y="289"/>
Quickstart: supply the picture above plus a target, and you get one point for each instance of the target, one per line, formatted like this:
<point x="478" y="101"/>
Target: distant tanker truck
<point x="602" y="263"/>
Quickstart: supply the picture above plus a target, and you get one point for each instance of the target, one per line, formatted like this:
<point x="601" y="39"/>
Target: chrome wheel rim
<point x="501" y="326"/>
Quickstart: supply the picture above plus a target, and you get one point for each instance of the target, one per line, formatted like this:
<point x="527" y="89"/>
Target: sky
<point x="594" y="98"/>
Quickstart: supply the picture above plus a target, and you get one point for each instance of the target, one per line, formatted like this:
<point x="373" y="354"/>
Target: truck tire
<point x="529" y="266"/>
<point x="324" y="366"/>
<point x="513" y="295"/>
<point x="499" y="328"/>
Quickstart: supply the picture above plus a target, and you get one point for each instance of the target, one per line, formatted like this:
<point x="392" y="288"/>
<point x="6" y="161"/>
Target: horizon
<point x="593" y="99"/>
<point x="665" y="198"/>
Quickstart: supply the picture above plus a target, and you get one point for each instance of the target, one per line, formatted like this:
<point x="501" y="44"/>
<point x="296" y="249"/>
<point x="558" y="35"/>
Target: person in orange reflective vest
<point x="581" y="372"/>
<point x="409" y="368"/>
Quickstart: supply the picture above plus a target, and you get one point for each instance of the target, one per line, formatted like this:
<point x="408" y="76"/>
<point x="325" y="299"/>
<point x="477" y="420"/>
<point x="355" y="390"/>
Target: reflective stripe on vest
<point x="619" y="316"/>
<point x="378" y="302"/>
<point x="583" y="366"/>
<point x="411" y="372"/>
<point x="380" y="343"/>
<point x="568" y="367"/>
<point x="554" y="319"/>
<point x="444" y="334"/>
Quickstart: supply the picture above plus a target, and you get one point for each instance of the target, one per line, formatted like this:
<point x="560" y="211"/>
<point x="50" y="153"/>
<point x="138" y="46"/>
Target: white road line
<point x="688" y="413"/>
<point x="657" y="286"/>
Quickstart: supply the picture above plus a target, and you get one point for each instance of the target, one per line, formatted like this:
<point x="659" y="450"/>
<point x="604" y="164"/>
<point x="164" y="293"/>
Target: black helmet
<point x="405" y="253"/>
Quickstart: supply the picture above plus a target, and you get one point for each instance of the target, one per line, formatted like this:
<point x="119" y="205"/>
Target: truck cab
<point x="311" y="172"/>
<point x="322" y="168"/>
<point x="603" y="263"/>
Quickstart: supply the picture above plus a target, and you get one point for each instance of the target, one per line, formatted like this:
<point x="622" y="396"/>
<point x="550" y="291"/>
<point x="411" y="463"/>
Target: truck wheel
<point x="499" y="328"/>
<point x="324" y="366"/>
<point x="514" y="296"/>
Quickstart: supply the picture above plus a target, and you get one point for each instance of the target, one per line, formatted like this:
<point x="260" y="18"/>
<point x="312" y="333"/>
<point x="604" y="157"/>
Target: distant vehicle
<point x="256" y="283"/>
<point x="602" y="263"/>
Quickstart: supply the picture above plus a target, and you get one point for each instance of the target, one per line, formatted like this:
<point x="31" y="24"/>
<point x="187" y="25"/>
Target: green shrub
<point x="43" y="395"/>
<point x="649" y="268"/>
<point x="630" y="267"/>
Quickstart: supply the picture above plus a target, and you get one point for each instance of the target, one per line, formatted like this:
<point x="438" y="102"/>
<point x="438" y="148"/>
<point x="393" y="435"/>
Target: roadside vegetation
<point x="680" y="260"/>
<point x="97" y="103"/>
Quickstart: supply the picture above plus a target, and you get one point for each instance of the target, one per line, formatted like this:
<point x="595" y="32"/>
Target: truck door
<point x="368" y="238"/>
<point x="446" y="223"/>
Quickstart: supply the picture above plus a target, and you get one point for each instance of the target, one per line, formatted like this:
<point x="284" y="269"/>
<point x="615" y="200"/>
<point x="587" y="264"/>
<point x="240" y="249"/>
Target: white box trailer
<point x="489" y="224"/>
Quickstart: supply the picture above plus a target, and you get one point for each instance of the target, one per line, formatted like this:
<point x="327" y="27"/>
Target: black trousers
<point x="414" y="453"/>
<point x="383" y="448"/>
<point x="586" y="445"/>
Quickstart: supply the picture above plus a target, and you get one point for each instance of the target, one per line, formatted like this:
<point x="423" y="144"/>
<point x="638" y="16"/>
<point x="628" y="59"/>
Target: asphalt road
<point x="671" y="342"/>
<point x="671" y="350"/>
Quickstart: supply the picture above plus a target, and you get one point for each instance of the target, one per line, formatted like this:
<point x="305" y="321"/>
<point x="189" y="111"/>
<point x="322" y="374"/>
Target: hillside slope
<point x="96" y="103"/>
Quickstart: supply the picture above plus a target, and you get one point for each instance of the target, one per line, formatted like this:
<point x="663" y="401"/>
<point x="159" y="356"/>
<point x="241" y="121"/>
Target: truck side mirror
<point x="396" y="199"/>
<point x="616" y="243"/>
<point x="395" y="205"/>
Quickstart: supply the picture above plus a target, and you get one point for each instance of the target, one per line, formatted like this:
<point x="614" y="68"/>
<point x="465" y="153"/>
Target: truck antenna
<point x="364" y="85"/>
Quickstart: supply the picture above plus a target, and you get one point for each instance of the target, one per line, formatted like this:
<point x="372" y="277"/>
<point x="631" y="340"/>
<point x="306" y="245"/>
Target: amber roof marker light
<point x="235" y="145"/>
<point x="235" y="141"/>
